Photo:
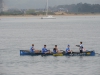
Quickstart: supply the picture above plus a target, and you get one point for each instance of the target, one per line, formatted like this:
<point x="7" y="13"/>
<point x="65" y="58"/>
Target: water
<point x="19" y="33"/>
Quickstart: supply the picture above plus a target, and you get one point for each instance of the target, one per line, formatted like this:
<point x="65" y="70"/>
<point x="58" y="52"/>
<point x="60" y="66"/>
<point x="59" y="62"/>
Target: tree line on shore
<point x="81" y="8"/>
<point x="73" y="8"/>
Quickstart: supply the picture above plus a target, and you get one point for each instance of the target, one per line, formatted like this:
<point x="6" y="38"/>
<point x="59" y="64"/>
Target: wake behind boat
<point x="86" y="53"/>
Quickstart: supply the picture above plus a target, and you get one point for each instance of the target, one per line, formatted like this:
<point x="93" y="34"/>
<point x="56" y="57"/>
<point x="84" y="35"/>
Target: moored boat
<point x="86" y="53"/>
<point x="48" y="17"/>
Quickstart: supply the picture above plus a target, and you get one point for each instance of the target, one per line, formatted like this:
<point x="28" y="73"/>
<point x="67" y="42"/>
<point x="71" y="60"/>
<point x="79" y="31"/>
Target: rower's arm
<point x="33" y="48"/>
<point x="78" y="45"/>
<point x="57" y="49"/>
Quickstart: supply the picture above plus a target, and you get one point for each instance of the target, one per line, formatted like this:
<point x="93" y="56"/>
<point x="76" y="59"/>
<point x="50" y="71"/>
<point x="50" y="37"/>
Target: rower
<point x="44" y="50"/>
<point x="55" y="50"/>
<point x="68" y="51"/>
<point x="32" y="49"/>
<point x="80" y="47"/>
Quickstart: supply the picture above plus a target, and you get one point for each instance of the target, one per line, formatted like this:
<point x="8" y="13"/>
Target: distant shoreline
<point x="4" y="16"/>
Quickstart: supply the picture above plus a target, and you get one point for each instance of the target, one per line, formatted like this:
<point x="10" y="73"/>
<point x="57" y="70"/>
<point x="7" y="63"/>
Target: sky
<point x="34" y="4"/>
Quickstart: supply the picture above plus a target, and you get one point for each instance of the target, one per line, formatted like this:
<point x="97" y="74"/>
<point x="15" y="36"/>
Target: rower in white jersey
<point x="80" y="47"/>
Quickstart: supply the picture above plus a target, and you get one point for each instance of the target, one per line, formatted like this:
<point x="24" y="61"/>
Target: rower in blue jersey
<point x="68" y="51"/>
<point x="32" y="49"/>
<point x="44" y="50"/>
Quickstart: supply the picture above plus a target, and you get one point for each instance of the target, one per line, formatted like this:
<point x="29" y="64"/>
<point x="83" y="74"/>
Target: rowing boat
<point x="86" y="53"/>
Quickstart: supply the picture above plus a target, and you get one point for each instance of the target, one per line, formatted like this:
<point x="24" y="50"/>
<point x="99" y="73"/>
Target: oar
<point x="98" y="54"/>
<point x="61" y="50"/>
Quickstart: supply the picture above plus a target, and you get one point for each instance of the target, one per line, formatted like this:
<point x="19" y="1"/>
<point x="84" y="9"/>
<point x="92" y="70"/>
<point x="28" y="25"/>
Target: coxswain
<point x="80" y="47"/>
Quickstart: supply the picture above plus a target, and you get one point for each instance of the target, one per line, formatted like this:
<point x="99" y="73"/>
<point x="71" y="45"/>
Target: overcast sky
<point x="33" y="4"/>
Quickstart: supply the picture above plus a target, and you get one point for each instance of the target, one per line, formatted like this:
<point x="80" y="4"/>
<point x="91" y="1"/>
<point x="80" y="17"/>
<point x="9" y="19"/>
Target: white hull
<point x="48" y="17"/>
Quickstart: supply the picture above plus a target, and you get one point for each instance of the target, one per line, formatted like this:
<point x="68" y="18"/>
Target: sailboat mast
<point x="47" y="17"/>
<point x="47" y="8"/>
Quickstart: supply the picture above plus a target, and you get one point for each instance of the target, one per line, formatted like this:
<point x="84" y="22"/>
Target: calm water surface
<point x="20" y="33"/>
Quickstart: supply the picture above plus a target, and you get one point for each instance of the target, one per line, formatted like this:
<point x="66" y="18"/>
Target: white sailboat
<point x="47" y="16"/>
